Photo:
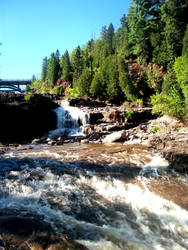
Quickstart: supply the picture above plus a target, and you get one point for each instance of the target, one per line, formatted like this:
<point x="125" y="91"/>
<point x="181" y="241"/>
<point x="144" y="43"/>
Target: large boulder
<point x="174" y="146"/>
<point x="115" y="137"/>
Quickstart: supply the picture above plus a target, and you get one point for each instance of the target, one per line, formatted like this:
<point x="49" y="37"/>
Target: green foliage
<point x="139" y="101"/>
<point x="154" y="77"/>
<point x="44" y="69"/>
<point x="125" y="81"/>
<point x="169" y="83"/>
<point x="36" y="85"/>
<point x="185" y="43"/>
<point x="121" y="39"/>
<point x="97" y="88"/>
<point x="112" y="77"/>
<point x="126" y="104"/>
<point x="66" y="68"/>
<point x="181" y="70"/>
<point x="84" y="82"/>
<point x="27" y="89"/>
<point x="129" y="113"/>
<point x="77" y="62"/>
<point x="28" y="96"/>
<point x="72" y="93"/>
<point x="171" y="104"/>
<point x="174" y="16"/>
<point x="154" y="129"/>
<point x="53" y="68"/>
<point x="152" y="34"/>
<point x="58" y="90"/>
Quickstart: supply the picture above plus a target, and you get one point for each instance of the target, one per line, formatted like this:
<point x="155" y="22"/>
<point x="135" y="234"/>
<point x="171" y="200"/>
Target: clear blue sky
<point x="33" y="29"/>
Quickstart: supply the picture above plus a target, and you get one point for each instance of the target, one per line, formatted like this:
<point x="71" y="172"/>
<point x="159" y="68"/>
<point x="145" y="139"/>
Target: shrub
<point x="72" y="93"/>
<point x="58" y="90"/>
<point x="169" y="82"/>
<point x="154" y="77"/>
<point x="129" y="113"/>
<point x="171" y="104"/>
<point x="154" y="129"/>
<point x="181" y="70"/>
<point x="28" y="96"/>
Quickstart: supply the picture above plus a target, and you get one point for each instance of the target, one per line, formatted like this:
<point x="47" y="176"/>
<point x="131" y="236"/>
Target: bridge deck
<point x="15" y="82"/>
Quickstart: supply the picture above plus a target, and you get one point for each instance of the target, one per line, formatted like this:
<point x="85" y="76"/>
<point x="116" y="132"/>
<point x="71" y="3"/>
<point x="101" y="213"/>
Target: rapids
<point x="104" y="196"/>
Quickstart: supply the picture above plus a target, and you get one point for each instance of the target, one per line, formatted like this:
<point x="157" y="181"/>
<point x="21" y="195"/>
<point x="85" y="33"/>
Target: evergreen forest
<point x="144" y="61"/>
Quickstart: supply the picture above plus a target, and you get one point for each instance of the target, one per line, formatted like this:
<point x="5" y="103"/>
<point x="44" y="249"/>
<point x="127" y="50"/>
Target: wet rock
<point x="94" y="136"/>
<point x="115" y="137"/>
<point x="156" y="141"/>
<point x="18" y="233"/>
<point x="36" y="141"/>
<point x="51" y="141"/>
<point x="174" y="147"/>
<point x="88" y="129"/>
<point x="84" y="141"/>
<point x="114" y="116"/>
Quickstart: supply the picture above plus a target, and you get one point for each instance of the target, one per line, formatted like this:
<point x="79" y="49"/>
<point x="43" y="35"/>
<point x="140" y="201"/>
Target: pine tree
<point x="121" y="39"/>
<point x="53" y="69"/>
<point x="125" y="81"/>
<point x="109" y="38"/>
<point x="174" y="15"/>
<point x="84" y="82"/>
<point x="88" y="55"/>
<point x="96" y="88"/>
<point x="44" y="69"/>
<point x="33" y="78"/>
<point x="77" y="63"/>
<point x="66" y="69"/>
<point x="185" y="43"/>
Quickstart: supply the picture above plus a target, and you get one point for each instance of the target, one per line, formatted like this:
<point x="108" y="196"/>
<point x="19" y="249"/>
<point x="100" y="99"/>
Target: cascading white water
<point x="103" y="212"/>
<point x="70" y="121"/>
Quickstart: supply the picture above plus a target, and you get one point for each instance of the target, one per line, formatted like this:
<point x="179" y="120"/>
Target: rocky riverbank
<point x="137" y="125"/>
<point x="30" y="121"/>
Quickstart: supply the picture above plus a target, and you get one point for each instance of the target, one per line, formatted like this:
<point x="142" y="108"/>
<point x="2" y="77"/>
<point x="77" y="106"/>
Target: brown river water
<point x="105" y="196"/>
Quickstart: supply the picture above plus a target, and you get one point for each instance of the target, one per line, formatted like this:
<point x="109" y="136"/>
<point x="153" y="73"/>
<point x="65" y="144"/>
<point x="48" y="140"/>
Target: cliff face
<point x="21" y="122"/>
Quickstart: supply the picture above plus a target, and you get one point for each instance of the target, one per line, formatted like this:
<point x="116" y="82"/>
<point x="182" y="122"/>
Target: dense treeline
<point x="145" y="60"/>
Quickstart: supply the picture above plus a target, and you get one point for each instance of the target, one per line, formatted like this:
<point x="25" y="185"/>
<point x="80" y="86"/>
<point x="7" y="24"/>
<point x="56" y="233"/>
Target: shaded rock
<point x="28" y="120"/>
<point x="96" y="117"/>
<point x="114" y="116"/>
<point x="18" y="233"/>
<point x="178" y="161"/>
<point x="88" y="129"/>
<point x="94" y="136"/>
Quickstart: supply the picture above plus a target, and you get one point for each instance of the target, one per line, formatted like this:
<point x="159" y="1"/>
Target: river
<point x="104" y="196"/>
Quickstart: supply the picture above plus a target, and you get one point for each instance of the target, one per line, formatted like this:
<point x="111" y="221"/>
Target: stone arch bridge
<point x="13" y="85"/>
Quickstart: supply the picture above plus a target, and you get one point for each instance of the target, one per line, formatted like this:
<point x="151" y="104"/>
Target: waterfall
<point x="70" y="121"/>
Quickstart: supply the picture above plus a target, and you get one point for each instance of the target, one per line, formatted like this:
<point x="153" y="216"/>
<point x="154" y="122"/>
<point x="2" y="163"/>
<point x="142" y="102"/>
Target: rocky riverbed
<point x="137" y="126"/>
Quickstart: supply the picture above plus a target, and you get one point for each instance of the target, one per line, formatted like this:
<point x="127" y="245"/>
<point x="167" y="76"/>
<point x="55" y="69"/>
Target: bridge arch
<point x="13" y="85"/>
<point x="10" y="87"/>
